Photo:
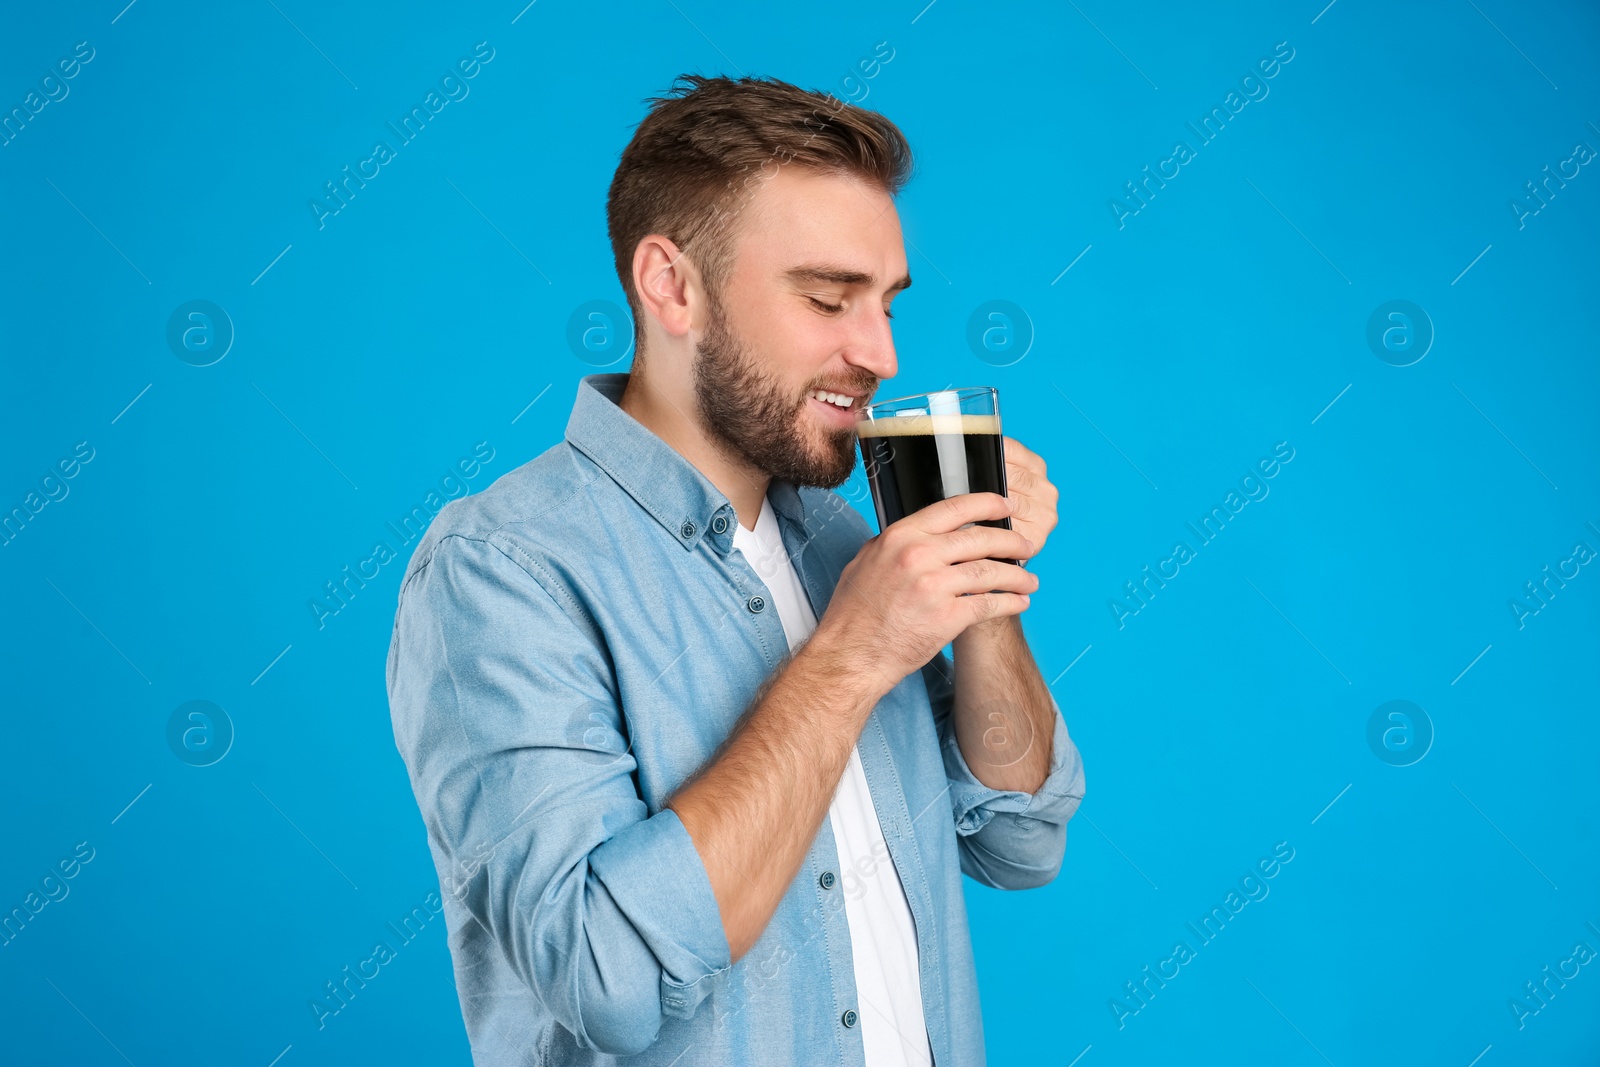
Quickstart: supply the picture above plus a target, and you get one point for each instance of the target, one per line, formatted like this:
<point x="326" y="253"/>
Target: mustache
<point x="858" y="387"/>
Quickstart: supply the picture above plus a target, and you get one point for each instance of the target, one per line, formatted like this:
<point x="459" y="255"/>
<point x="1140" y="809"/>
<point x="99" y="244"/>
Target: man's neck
<point x="675" y="422"/>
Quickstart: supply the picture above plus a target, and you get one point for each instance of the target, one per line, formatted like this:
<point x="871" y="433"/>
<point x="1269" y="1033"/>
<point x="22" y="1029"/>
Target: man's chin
<point x="831" y="475"/>
<point x="807" y="458"/>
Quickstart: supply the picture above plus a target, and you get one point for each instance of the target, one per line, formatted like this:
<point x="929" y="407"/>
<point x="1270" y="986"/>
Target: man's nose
<point x="873" y="349"/>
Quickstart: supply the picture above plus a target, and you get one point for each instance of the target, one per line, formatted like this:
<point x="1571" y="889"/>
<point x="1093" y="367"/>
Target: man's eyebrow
<point x="824" y="272"/>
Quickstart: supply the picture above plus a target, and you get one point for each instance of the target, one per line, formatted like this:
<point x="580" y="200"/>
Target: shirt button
<point x="849" y="1017"/>
<point x="719" y="525"/>
<point x="827" y="880"/>
<point x="758" y="603"/>
<point x="687" y="529"/>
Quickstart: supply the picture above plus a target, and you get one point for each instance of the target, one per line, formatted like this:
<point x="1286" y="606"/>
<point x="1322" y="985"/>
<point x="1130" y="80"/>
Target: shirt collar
<point x="656" y="475"/>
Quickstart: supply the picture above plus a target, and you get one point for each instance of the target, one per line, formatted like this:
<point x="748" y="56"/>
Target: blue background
<point x="1228" y="715"/>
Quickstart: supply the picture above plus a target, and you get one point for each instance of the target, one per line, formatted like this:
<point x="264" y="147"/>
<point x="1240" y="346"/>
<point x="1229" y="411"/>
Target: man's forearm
<point x="1004" y="717"/>
<point x="753" y="810"/>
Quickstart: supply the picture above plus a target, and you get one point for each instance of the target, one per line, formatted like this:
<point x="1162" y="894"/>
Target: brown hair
<point x="707" y="144"/>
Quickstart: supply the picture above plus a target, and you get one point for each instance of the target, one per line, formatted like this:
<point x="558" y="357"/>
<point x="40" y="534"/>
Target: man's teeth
<point x="838" y="399"/>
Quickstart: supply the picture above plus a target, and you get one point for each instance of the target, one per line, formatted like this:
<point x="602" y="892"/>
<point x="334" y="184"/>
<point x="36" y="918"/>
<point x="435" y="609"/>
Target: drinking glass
<point x="921" y="449"/>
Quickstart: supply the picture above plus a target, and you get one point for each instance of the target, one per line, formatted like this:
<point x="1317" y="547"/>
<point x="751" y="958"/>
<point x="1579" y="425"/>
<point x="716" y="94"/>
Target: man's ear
<point x="668" y="284"/>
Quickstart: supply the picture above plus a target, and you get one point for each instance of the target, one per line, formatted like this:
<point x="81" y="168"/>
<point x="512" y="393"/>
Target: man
<point x="699" y="781"/>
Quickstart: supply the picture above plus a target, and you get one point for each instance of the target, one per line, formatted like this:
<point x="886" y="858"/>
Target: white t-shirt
<point x="883" y="938"/>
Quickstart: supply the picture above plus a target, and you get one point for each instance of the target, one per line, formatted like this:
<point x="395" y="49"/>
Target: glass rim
<point x="961" y="393"/>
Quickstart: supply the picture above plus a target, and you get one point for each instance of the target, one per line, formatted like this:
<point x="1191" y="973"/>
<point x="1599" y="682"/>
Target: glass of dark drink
<point x="922" y="449"/>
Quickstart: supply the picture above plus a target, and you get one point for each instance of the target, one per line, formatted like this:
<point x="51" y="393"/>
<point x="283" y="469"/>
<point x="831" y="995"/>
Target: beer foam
<point x="923" y="425"/>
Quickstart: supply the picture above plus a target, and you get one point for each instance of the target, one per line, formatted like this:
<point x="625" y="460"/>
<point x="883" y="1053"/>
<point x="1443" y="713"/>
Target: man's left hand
<point x="1031" y="493"/>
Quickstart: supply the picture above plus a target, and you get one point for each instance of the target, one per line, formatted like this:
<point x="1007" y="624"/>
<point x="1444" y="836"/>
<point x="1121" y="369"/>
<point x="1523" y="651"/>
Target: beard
<point x="754" y="418"/>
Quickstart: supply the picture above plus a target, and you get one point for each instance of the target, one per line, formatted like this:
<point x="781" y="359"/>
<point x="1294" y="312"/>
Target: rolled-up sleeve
<point x="505" y="712"/>
<point x="1008" y="839"/>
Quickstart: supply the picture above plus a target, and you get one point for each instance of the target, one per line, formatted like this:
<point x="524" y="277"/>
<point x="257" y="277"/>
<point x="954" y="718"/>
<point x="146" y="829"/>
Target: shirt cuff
<point x="676" y="916"/>
<point x="975" y="804"/>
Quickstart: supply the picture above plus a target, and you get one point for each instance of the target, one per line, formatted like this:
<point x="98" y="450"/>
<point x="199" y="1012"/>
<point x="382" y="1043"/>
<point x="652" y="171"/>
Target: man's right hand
<point x="916" y="586"/>
<point x="754" y="808"/>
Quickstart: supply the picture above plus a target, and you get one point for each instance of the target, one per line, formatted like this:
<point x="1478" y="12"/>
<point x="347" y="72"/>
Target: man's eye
<point x="830" y="308"/>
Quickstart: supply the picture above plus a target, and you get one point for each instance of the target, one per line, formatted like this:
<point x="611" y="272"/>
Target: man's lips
<point x="835" y="414"/>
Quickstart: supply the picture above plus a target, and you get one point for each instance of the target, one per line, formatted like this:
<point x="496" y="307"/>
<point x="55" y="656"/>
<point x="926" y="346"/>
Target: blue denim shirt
<point x="571" y="644"/>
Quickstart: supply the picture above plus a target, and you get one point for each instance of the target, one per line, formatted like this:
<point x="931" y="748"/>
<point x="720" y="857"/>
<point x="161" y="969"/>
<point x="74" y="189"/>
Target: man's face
<point x="817" y="261"/>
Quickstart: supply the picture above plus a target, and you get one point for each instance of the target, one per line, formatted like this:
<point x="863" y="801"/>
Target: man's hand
<point x="905" y="595"/>
<point x="1004" y="718"/>
<point x="754" y="808"/>
<point x="1032" y="495"/>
